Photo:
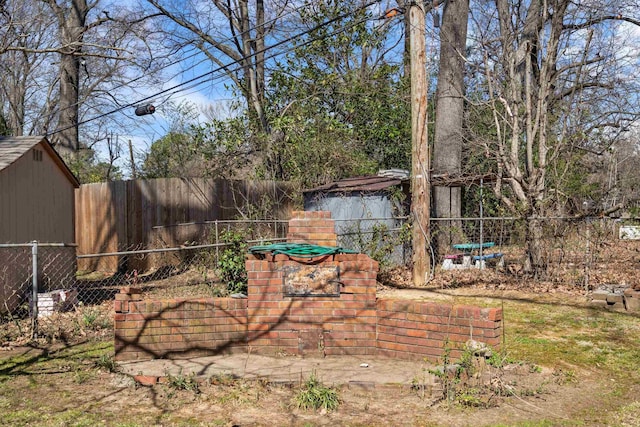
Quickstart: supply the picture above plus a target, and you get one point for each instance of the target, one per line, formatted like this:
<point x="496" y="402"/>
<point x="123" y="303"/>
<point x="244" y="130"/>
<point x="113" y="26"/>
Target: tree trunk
<point x="254" y="93"/>
<point x="406" y="52"/>
<point x="67" y="140"/>
<point x="71" y="22"/>
<point x="18" y="89"/>
<point x="447" y="148"/>
<point x="260" y="46"/>
<point x="535" y="263"/>
<point x="16" y="70"/>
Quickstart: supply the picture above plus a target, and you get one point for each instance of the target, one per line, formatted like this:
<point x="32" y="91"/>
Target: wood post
<point x="420" y="165"/>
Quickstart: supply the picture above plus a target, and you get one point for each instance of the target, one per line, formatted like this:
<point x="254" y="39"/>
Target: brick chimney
<point x="316" y="228"/>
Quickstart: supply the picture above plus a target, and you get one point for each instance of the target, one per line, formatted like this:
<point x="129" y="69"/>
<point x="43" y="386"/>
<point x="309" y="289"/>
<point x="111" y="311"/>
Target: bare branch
<point x="581" y="86"/>
<point x="599" y="20"/>
<point x="227" y="50"/>
<point x="71" y="49"/>
<point x="574" y="65"/>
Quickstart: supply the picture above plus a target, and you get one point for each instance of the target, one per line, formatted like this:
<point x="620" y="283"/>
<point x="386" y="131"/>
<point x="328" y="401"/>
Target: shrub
<point x="231" y="267"/>
<point x="107" y="362"/>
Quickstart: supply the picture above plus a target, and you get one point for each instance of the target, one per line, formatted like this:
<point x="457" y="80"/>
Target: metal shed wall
<point x="358" y="212"/>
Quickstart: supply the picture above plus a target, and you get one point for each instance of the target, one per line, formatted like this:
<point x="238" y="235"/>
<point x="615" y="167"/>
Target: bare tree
<point x="232" y="34"/>
<point x="71" y="19"/>
<point x="70" y="80"/>
<point x="552" y="73"/>
<point x="52" y="75"/>
<point x="23" y="71"/>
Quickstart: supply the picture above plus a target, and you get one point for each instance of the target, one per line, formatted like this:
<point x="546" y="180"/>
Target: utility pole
<point x="420" y="167"/>
<point x="134" y="175"/>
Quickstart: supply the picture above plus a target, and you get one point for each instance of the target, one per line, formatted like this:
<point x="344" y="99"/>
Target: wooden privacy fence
<point x="119" y="215"/>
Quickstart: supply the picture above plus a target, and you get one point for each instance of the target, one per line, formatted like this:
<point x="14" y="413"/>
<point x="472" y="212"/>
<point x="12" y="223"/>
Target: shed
<point x="365" y="206"/>
<point x="36" y="203"/>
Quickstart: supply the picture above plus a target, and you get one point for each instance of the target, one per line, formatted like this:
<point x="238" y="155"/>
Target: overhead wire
<point x="198" y="51"/>
<point x="175" y="89"/>
<point x="128" y="82"/>
<point x="196" y="83"/>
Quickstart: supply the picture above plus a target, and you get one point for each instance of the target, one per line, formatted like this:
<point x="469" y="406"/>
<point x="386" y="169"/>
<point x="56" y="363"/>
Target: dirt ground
<point x="52" y="396"/>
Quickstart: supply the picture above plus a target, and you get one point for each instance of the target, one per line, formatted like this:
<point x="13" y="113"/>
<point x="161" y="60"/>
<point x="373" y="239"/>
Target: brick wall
<point x="177" y="328"/>
<point x="412" y="329"/>
<point x="346" y="318"/>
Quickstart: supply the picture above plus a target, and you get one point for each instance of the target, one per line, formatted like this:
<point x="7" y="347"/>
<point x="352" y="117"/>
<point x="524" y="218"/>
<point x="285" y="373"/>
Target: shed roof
<point x="363" y="183"/>
<point x="14" y="147"/>
<point x="392" y="177"/>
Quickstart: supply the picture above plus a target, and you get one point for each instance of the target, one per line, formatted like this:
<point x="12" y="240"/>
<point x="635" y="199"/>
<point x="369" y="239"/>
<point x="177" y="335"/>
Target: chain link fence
<point x="387" y="240"/>
<point x="32" y="268"/>
<point x="40" y="279"/>
<point x="577" y="252"/>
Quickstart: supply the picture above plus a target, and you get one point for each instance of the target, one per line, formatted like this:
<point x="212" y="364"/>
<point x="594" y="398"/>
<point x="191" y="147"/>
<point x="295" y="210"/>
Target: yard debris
<point x="479" y="349"/>
<point x="632" y="300"/>
<point x="58" y="300"/>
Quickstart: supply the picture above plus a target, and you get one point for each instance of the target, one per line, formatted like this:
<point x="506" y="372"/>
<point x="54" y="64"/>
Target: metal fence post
<point x="217" y="242"/>
<point x="587" y="257"/>
<point x="481" y="223"/>
<point x="34" y="309"/>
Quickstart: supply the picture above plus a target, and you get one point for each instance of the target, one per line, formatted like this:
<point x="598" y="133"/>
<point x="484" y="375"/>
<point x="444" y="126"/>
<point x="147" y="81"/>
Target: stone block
<point x="632" y="300"/>
<point x="599" y="303"/>
<point x="600" y="295"/>
<point x="615" y="299"/>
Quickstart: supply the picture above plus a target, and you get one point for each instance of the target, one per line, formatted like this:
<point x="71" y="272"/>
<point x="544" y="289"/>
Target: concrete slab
<point x="362" y="371"/>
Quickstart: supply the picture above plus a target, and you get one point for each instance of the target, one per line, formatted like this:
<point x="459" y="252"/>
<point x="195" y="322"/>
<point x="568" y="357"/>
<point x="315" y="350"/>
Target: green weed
<point x="107" y="363"/>
<point x="470" y="398"/>
<point x="449" y="375"/>
<point x="314" y="395"/>
<point x="89" y="318"/>
<point x="183" y="382"/>
<point x="93" y="320"/>
<point x="535" y="369"/>
<point x="499" y="359"/>
<point x="81" y="376"/>
<point x="418" y="383"/>
<point x="231" y="267"/>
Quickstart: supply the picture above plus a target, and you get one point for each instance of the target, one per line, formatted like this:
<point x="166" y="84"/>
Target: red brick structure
<point x="278" y="317"/>
<point x="316" y="228"/>
<point x="344" y="323"/>
<point x="414" y="329"/>
<point x="178" y="328"/>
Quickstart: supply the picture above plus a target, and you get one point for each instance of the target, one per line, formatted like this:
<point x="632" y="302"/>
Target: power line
<point x="211" y="82"/>
<point x="198" y="51"/>
<point x="174" y="89"/>
<point x="353" y="24"/>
